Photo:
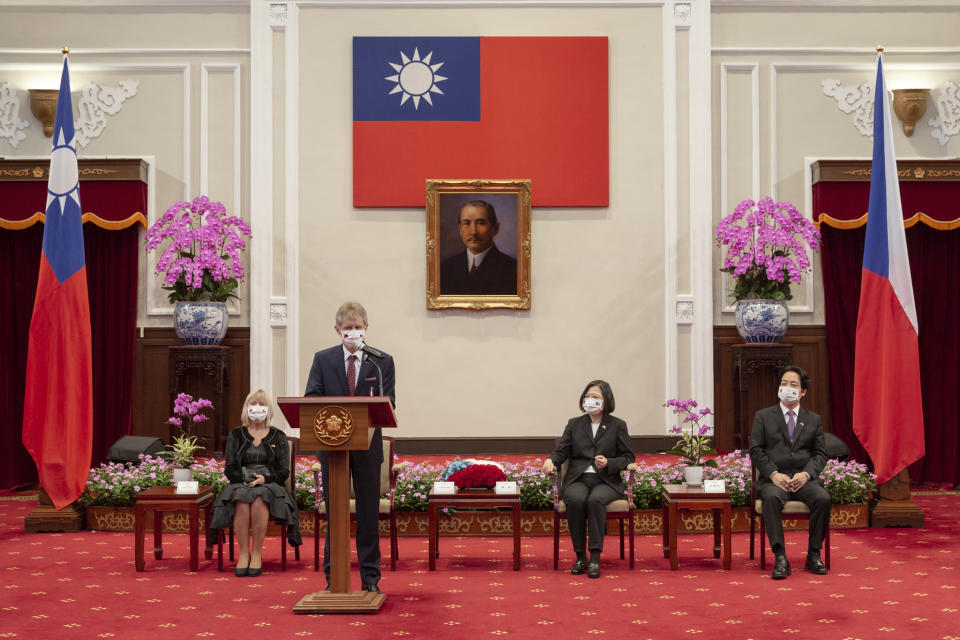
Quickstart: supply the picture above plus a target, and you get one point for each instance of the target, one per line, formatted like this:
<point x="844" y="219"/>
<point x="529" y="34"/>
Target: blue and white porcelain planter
<point x="762" y="320"/>
<point x="200" y="323"/>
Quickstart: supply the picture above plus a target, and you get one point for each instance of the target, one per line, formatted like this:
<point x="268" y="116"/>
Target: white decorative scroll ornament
<point x="10" y="122"/>
<point x="947" y="122"/>
<point x="853" y="98"/>
<point x="684" y="312"/>
<point x="681" y="14"/>
<point x="96" y="103"/>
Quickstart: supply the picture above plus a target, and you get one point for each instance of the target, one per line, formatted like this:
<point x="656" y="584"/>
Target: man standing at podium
<point x="347" y="370"/>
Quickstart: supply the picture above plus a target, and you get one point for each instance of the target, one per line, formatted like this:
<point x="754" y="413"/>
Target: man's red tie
<point x="352" y="374"/>
<point x="473" y="268"/>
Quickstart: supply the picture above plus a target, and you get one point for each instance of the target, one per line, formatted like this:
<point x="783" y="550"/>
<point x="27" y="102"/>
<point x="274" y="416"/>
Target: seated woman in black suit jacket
<point x="598" y="447"/>
<point x="257" y="466"/>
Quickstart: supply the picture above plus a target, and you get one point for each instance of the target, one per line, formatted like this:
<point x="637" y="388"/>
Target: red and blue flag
<point x="887" y="408"/>
<point x="58" y="404"/>
<point x="480" y="107"/>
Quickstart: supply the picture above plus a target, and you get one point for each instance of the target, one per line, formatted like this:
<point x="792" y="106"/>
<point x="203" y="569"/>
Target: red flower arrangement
<point x="477" y="475"/>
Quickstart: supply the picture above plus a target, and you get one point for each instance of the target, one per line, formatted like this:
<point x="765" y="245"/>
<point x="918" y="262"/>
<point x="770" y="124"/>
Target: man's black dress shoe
<point x="372" y="588"/>
<point x="815" y="564"/>
<point x="593" y="569"/>
<point x="578" y="567"/>
<point x="781" y="568"/>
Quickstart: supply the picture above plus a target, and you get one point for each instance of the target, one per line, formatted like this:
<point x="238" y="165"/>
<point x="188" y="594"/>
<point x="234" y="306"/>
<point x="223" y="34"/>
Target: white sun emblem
<point x="416" y="78"/>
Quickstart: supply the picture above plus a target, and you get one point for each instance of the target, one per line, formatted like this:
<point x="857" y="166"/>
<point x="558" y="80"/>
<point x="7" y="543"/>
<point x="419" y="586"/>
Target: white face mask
<point x="592" y="405"/>
<point x="788" y="394"/>
<point x="257" y="412"/>
<point x="353" y="337"/>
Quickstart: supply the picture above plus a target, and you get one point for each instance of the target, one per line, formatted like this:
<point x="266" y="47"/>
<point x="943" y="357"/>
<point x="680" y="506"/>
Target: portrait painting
<point x="478" y="244"/>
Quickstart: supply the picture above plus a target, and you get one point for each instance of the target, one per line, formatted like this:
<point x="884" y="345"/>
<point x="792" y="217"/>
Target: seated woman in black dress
<point x="597" y="446"/>
<point x="257" y="465"/>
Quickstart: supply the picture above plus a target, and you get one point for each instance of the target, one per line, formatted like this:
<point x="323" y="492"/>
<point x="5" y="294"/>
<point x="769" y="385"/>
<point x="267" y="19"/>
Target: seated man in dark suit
<point x="787" y="448"/>
<point x="481" y="269"/>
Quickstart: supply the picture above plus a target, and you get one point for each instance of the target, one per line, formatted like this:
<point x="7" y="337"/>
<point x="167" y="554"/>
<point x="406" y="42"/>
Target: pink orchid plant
<point x="767" y="248"/>
<point x="693" y="443"/>
<point x="200" y="249"/>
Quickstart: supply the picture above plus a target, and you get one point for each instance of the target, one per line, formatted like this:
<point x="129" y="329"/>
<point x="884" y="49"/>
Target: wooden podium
<point x="338" y="425"/>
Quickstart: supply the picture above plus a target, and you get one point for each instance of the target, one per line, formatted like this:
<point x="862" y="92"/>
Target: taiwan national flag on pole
<point x="490" y="107"/>
<point x="58" y="406"/>
<point x="887" y="408"/>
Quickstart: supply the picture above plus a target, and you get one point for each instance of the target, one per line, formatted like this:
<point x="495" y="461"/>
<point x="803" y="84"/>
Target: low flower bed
<point x="849" y="483"/>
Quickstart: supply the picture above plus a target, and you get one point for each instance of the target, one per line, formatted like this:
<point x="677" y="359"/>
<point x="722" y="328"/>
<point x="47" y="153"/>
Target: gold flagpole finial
<point x="66" y="49"/>
<point x="879" y="48"/>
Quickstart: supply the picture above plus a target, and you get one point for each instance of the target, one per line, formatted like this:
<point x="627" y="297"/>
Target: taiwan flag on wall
<point x="58" y="403"/>
<point x="478" y="107"/>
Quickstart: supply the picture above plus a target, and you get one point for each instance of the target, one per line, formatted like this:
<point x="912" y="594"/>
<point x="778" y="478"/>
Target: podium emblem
<point x="333" y="425"/>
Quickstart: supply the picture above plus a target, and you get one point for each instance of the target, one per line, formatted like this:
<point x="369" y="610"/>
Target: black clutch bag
<point x="255" y="470"/>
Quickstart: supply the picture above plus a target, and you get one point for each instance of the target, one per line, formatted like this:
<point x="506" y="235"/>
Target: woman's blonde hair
<point x="260" y="396"/>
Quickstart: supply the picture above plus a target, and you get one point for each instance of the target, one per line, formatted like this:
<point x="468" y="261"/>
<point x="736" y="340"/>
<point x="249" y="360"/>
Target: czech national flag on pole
<point x="887" y="409"/>
<point x="58" y="407"/>
<point x="497" y="108"/>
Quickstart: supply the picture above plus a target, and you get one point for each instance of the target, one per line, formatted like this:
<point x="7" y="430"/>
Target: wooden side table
<point x="160" y="499"/>
<point x="471" y="499"/>
<point x="681" y="496"/>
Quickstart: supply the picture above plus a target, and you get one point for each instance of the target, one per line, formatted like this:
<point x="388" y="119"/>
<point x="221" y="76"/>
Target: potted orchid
<point x="184" y="446"/>
<point x="767" y="250"/>
<point x="693" y="443"/>
<point x="200" y="262"/>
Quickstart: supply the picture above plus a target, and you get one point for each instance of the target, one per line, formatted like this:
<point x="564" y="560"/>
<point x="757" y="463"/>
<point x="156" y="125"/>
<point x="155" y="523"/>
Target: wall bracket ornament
<point x="853" y="98"/>
<point x="96" y="103"/>
<point x="11" y="126"/>
<point x="947" y="121"/>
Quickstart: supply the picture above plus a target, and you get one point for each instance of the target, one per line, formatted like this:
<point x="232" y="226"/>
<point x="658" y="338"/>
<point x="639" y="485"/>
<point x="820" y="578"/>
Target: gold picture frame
<point x="454" y="281"/>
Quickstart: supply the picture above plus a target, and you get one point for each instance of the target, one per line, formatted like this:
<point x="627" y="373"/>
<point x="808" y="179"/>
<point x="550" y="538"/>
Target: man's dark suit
<point x="583" y="500"/>
<point x="772" y="450"/>
<point x="328" y="377"/>
<point x="496" y="275"/>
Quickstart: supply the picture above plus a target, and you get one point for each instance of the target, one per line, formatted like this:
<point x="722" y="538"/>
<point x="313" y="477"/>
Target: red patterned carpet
<point x="884" y="584"/>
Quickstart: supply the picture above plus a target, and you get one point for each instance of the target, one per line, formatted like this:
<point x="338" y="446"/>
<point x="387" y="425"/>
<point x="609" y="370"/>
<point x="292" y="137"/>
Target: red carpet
<point x="895" y="583"/>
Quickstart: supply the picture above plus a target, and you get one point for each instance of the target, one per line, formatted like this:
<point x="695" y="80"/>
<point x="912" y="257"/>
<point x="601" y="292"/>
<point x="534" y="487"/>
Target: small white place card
<point x="714" y="486"/>
<point x="188" y="487"/>
<point x="506" y="487"/>
<point x="444" y="488"/>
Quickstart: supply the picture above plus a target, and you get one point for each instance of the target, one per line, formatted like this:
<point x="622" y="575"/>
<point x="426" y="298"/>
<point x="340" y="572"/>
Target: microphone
<point x="370" y="351"/>
<point x="375" y="354"/>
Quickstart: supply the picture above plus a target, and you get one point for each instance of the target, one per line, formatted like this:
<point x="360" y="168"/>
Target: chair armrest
<point x="631" y="483"/>
<point x="555" y="483"/>
<point x="318" y="495"/>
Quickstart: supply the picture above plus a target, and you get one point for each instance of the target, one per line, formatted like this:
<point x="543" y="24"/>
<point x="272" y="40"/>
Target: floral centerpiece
<point x="693" y="443"/>
<point x="767" y="250"/>
<point x="200" y="262"/>
<point x="114" y="484"/>
<point x="848" y="482"/>
<point x="474" y="474"/>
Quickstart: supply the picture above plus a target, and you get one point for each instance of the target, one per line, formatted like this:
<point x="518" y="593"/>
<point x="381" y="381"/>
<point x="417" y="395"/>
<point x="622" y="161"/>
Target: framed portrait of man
<point x="478" y="244"/>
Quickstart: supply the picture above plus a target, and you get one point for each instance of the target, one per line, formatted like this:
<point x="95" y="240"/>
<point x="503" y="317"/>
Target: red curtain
<point x="112" y="285"/>
<point x="111" y="242"/>
<point x="935" y="266"/>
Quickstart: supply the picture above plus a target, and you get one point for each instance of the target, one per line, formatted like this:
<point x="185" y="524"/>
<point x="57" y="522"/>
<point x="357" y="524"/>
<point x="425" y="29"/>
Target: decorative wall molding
<point x="853" y="98"/>
<point x="681" y="15"/>
<point x="684" y="312"/>
<point x="947" y="121"/>
<point x="278" y="314"/>
<point x="278" y="16"/>
<point x="96" y="103"/>
<point x="11" y="126"/>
